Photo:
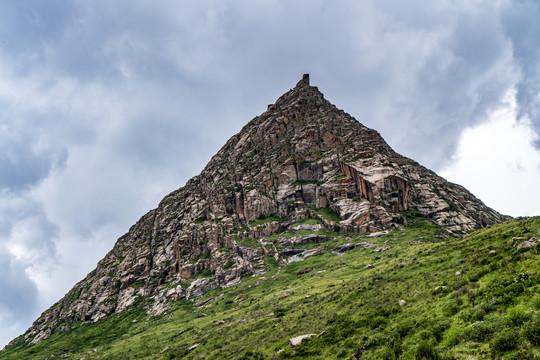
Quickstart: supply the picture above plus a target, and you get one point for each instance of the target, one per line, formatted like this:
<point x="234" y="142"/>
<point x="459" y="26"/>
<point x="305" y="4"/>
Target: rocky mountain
<point x="301" y="159"/>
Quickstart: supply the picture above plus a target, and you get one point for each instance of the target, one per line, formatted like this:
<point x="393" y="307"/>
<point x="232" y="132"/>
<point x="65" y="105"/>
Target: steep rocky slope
<point x="303" y="158"/>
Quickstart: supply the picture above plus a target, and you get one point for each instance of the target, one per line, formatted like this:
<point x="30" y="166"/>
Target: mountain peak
<point x="303" y="95"/>
<point x="304" y="81"/>
<point x="301" y="160"/>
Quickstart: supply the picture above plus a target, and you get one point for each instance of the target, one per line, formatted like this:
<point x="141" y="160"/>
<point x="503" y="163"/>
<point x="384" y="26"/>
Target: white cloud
<point x="497" y="161"/>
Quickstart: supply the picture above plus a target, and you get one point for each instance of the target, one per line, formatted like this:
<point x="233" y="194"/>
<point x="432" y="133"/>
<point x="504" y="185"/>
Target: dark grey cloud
<point x="25" y="159"/>
<point x="520" y="23"/>
<point x="26" y="232"/>
<point x="27" y="26"/>
<point x="20" y="167"/>
<point x="19" y="294"/>
<point x="26" y="242"/>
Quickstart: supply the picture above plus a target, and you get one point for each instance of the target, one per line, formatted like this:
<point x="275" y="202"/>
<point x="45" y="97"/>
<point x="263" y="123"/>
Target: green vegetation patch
<point x="264" y="219"/>
<point x="307" y="182"/>
<point x="307" y="222"/>
<point x="428" y="296"/>
<point x="328" y="214"/>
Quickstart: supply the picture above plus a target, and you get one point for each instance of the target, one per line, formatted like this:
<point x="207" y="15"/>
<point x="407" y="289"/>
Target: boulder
<point x="295" y="341"/>
<point x="532" y="242"/>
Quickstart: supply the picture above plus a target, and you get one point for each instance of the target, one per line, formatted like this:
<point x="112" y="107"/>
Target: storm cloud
<point x="107" y="106"/>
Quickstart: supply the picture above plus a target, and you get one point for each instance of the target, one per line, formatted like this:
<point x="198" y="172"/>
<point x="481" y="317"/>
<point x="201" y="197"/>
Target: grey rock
<point x="295" y="341"/>
<point x="344" y="248"/>
<point x="314" y="227"/>
<point x="304" y="240"/>
<point x="532" y="242"/>
<point x="304" y="254"/>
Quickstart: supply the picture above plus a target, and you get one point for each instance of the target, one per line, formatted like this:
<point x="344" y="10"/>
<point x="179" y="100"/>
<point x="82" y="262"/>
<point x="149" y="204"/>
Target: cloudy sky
<point x="107" y="106"/>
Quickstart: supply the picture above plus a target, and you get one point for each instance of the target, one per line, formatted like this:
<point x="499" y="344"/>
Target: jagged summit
<point x="302" y="93"/>
<point x="301" y="159"/>
<point x="304" y="82"/>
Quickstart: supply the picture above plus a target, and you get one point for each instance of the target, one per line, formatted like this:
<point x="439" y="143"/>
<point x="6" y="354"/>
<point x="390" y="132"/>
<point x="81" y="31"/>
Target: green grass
<point x="306" y="182"/>
<point x="475" y="297"/>
<point x="264" y="220"/>
<point x="328" y="214"/>
<point x="309" y="221"/>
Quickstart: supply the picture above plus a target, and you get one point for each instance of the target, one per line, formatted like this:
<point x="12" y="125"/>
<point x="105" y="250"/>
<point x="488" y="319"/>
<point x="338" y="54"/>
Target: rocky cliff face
<point x="302" y="158"/>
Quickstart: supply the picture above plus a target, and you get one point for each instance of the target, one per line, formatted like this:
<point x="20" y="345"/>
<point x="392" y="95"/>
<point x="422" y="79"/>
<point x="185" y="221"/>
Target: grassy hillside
<point x="427" y="296"/>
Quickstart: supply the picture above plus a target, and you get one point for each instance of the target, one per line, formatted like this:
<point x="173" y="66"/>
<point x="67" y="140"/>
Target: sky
<point x="107" y="106"/>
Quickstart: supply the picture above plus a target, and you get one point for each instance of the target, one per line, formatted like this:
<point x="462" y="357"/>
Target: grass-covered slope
<point x="427" y="296"/>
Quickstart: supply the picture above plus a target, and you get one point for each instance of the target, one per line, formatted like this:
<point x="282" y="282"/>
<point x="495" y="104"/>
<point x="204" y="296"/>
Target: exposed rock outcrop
<point x="532" y="242"/>
<point x="301" y="159"/>
<point x="295" y="341"/>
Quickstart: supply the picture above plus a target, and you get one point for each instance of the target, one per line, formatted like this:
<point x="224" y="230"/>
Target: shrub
<point x="426" y="351"/>
<point x="280" y="312"/>
<point x="328" y="214"/>
<point x="535" y="302"/>
<point x="473" y="314"/>
<point x="405" y="326"/>
<point x="229" y="264"/>
<point x="507" y="288"/>
<point x="479" y="314"/>
<point x="450" y="309"/>
<point x="531" y="331"/>
<point x="503" y="341"/>
<point x="518" y="316"/>
<point x="389" y="353"/>
<point x="481" y="331"/>
<point x="453" y="336"/>
<point x="252" y="355"/>
<point x="478" y="331"/>
<point x="438" y="329"/>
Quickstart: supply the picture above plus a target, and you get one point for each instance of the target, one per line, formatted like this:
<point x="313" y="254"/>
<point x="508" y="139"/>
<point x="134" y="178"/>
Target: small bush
<point x="478" y="331"/>
<point x="438" y="329"/>
<point x="535" y="302"/>
<point x="479" y="314"/>
<point x="507" y="288"/>
<point x="481" y="331"/>
<point x="450" y="309"/>
<point x="229" y="264"/>
<point x="453" y="336"/>
<point x="404" y="327"/>
<point x="388" y="353"/>
<point x="503" y="341"/>
<point x="328" y="214"/>
<point x="280" y="312"/>
<point x="518" y="316"/>
<point x="473" y="314"/>
<point x="531" y="331"/>
<point x="426" y="351"/>
<point x="252" y="355"/>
